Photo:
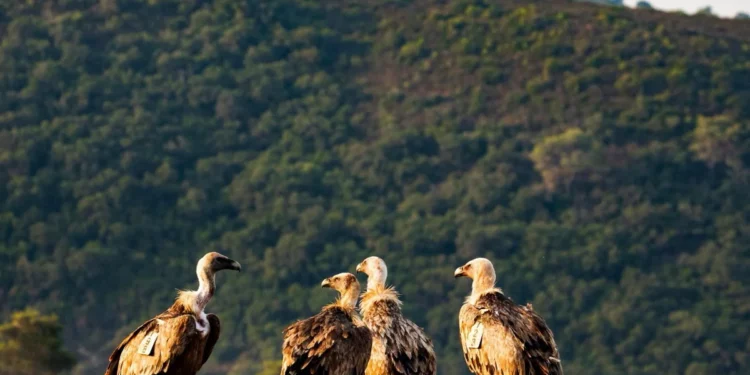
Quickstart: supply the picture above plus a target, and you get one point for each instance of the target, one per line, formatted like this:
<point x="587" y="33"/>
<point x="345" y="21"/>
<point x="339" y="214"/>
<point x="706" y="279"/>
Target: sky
<point x="722" y="8"/>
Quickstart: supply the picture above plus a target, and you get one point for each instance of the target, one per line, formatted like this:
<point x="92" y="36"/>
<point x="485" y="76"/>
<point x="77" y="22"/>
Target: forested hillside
<point x="598" y="155"/>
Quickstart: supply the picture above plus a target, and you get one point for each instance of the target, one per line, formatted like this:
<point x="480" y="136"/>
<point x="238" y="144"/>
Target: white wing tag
<point x="475" y="336"/>
<point x="148" y="343"/>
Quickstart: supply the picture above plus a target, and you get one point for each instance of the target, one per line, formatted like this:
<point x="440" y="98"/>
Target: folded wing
<point x="327" y="343"/>
<point x="514" y="339"/>
<point x="178" y="347"/>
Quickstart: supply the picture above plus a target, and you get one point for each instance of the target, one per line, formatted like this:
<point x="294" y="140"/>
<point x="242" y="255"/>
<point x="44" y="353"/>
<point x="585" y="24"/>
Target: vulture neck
<point x="196" y="300"/>
<point x="482" y="284"/>
<point x="348" y="299"/>
<point x="376" y="280"/>
<point x="206" y="288"/>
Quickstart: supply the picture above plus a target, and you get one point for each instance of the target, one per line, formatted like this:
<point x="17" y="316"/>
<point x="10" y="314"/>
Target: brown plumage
<point x="332" y="342"/>
<point x="515" y="339"/>
<point x="185" y="334"/>
<point x="399" y="347"/>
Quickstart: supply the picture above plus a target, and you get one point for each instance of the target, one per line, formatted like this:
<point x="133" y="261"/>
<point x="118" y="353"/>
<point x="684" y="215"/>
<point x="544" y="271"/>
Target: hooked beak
<point x="234" y="265"/>
<point x="326" y="283"/>
<point x="361" y="267"/>
<point x="459" y="272"/>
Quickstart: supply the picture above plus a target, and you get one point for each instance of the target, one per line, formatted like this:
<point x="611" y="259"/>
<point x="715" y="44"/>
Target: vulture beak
<point x="235" y="266"/>
<point x="459" y="272"/>
<point x="230" y="264"/>
<point x="361" y="267"/>
<point x="326" y="283"/>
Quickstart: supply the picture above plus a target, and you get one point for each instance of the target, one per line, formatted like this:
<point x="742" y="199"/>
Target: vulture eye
<point x="468" y="266"/>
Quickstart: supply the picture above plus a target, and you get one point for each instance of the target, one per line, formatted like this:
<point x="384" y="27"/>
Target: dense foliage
<point x="598" y="155"/>
<point x="30" y="344"/>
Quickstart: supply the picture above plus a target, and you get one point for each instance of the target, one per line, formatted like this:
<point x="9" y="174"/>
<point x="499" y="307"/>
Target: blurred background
<point x="596" y="153"/>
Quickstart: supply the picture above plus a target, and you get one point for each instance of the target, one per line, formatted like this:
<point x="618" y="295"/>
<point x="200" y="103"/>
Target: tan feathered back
<point x="400" y="347"/>
<point x="179" y="347"/>
<point x="333" y="341"/>
<point x="499" y="337"/>
<point x="182" y="337"/>
<point x="515" y="341"/>
<point x="327" y="343"/>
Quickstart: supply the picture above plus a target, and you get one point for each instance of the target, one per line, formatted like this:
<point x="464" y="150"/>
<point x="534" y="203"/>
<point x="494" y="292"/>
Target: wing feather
<point x="326" y="343"/>
<point x="175" y="334"/>
<point x="114" y="358"/>
<point x="213" y="335"/>
<point x="408" y="349"/>
<point x="499" y="352"/>
<point x="515" y="339"/>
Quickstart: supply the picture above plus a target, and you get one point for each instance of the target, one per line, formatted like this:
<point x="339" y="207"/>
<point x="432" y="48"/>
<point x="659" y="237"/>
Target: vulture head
<point x="206" y="269"/>
<point x="481" y="271"/>
<point x="376" y="271"/>
<point x="348" y="287"/>
<point x="214" y="262"/>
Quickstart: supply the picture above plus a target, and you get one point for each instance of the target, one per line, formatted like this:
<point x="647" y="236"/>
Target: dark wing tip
<point x="213" y="335"/>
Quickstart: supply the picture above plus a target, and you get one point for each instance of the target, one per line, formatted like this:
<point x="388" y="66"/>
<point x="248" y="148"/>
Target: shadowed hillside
<point x="598" y="155"/>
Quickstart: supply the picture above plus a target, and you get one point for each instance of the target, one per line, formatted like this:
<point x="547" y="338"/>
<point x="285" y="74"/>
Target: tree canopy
<point x="598" y="155"/>
<point x="30" y="344"/>
<point x="644" y="5"/>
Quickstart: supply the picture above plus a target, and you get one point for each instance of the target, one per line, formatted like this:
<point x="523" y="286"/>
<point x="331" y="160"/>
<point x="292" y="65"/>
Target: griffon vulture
<point x="499" y="337"/>
<point x="399" y="347"/>
<point x="332" y="342"/>
<point x="179" y="340"/>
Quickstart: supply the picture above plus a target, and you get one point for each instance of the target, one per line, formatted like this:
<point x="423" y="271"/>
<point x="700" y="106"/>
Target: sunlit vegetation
<point x="30" y="344"/>
<point x="598" y="155"/>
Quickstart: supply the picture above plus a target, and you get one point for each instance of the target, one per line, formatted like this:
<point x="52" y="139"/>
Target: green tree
<point x="30" y="344"/>
<point x="562" y="158"/>
<point x="595" y="154"/>
<point x="644" y="5"/>
<point x="705" y="11"/>
<point x="721" y="139"/>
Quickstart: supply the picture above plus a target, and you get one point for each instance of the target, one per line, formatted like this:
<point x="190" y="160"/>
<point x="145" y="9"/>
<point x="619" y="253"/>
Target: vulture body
<point x="179" y="340"/>
<point x="399" y="347"/>
<point x="500" y="337"/>
<point x="332" y="342"/>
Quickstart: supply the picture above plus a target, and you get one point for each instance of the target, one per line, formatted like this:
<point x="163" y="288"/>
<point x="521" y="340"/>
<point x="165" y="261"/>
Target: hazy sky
<point x="723" y="8"/>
